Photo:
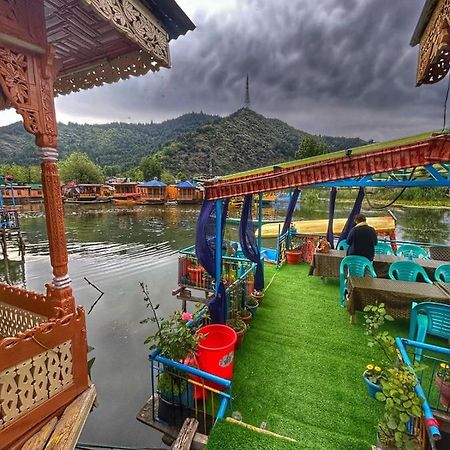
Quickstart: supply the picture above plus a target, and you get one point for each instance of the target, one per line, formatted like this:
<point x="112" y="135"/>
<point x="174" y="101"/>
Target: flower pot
<point x="252" y="309"/>
<point x="240" y="335"/>
<point x="245" y="316"/>
<point x="196" y="275"/>
<point x="293" y="256"/>
<point x="371" y="387"/>
<point x="258" y="296"/>
<point x="444" y="390"/>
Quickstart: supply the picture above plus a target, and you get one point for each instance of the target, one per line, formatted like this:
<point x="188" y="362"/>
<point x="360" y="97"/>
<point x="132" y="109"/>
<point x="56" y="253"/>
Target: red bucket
<point x="215" y="351"/>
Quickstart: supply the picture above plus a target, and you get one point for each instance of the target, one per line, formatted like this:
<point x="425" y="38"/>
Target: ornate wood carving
<point x="26" y="82"/>
<point x="434" y="59"/>
<point x="132" y="19"/>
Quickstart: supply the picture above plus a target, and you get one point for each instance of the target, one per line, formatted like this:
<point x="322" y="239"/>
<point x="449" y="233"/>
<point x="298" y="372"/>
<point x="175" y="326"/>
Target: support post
<point x="218" y="244"/>
<point x="260" y="213"/>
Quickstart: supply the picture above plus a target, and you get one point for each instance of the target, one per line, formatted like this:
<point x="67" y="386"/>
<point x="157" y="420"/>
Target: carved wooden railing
<point x="43" y="362"/>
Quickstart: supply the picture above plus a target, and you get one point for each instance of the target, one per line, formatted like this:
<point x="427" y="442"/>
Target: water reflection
<point x="116" y="248"/>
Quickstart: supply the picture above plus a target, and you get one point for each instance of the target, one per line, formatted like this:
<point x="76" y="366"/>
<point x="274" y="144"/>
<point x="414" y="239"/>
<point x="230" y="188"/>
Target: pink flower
<point x="186" y="316"/>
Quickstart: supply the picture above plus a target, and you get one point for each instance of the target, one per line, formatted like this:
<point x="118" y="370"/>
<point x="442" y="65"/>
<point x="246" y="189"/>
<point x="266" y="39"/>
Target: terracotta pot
<point x="258" y="297"/>
<point x="293" y="256"/>
<point x="246" y="319"/>
<point x="196" y="274"/>
<point x="444" y="389"/>
<point x="240" y="336"/>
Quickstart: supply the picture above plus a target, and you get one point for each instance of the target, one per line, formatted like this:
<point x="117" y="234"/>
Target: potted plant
<point x="245" y="315"/>
<point x="402" y="405"/>
<point x="442" y="381"/>
<point x="252" y="305"/>
<point x="177" y="341"/>
<point x="294" y="253"/>
<point x="240" y="327"/>
<point x="372" y="377"/>
<point x="258" y="296"/>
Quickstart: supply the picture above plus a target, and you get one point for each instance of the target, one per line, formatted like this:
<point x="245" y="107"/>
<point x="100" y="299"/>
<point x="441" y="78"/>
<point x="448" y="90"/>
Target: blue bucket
<point x="372" y="387"/>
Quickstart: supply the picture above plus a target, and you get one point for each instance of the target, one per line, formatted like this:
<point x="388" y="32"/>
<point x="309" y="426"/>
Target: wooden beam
<point x="21" y="44"/>
<point x="68" y="429"/>
<point x="186" y="434"/>
<point x="40" y="439"/>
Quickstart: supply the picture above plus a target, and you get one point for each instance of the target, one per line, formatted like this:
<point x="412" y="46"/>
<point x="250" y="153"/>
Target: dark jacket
<point x="362" y="240"/>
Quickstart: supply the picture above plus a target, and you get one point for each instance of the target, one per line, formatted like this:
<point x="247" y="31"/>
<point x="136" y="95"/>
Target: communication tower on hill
<point x="247" y="95"/>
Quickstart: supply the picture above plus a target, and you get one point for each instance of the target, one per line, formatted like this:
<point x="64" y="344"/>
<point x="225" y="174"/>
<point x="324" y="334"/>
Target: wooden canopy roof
<point x="95" y="41"/>
<point x="413" y="151"/>
<point x="432" y="32"/>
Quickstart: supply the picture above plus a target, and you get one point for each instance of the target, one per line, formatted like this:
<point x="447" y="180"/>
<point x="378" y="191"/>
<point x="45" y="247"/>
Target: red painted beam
<point x="431" y="151"/>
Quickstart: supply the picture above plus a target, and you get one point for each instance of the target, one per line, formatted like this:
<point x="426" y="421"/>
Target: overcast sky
<point x="336" y="67"/>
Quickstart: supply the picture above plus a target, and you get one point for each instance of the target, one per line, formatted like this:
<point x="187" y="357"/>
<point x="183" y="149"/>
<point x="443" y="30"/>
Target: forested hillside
<point x="112" y="144"/>
<point x="241" y="141"/>
<point x="194" y="144"/>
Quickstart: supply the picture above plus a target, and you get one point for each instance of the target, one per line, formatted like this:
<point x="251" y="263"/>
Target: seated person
<point x="362" y="239"/>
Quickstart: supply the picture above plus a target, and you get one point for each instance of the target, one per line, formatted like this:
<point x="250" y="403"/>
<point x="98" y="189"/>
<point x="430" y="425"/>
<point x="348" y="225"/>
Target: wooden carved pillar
<point x="26" y="81"/>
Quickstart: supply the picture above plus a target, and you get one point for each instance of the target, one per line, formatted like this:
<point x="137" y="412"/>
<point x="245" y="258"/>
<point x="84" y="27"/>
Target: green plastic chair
<point x="342" y="245"/>
<point x="407" y="271"/>
<point x="428" y="318"/>
<point x="414" y="250"/>
<point x="356" y="266"/>
<point x="383" y="248"/>
<point x="442" y="273"/>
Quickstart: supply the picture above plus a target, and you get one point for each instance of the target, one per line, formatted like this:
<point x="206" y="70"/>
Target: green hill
<point x="241" y="141"/>
<point x="112" y="144"/>
<point x="195" y="143"/>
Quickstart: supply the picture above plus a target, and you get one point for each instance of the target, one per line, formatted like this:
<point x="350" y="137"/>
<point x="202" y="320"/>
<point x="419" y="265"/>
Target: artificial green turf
<point x="300" y="370"/>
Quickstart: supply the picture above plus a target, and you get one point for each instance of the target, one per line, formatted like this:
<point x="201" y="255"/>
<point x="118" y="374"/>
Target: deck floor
<point x="300" y="369"/>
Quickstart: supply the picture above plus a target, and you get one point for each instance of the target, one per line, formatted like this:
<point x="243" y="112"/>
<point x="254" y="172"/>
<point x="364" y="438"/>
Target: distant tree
<point x="111" y="171"/>
<point x="311" y="147"/>
<point x="181" y="176"/>
<point x="151" y="168"/>
<point x="134" y="174"/>
<point x="22" y="174"/>
<point x="167" y="177"/>
<point x="80" y="168"/>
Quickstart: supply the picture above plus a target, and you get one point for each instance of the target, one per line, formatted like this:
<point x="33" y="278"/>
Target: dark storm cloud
<point x="341" y="67"/>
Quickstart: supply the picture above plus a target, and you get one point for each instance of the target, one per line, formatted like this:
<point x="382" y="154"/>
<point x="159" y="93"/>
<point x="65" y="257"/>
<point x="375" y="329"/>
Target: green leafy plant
<point x="444" y="372"/>
<point x="398" y="382"/>
<point x="252" y="302"/>
<point x="237" y="324"/>
<point x="374" y="373"/>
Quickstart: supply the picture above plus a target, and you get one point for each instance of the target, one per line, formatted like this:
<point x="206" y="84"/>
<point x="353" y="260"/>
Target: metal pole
<point x="13" y="200"/>
<point x="260" y="202"/>
<point x="218" y="244"/>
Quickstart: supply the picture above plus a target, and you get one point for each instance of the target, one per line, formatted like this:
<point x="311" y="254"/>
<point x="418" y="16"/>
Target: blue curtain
<point x="330" y="234"/>
<point x="248" y="241"/>
<point x="205" y="250"/>
<point x="353" y="213"/>
<point x="290" y="210"/>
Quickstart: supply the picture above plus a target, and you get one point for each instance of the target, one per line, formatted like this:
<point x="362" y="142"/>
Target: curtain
<point x="205" y="250"/>
<point x="353" y="213"/>
<point x="330" y="234"/>
<point x="290" y="210"/>
<point x="248" y="241"/>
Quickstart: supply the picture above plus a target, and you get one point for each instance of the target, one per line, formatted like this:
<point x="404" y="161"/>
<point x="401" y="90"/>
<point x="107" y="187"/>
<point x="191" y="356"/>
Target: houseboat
<point x="125" y="192"/>
<point x="152" y="193"/>
<point x="87" y="193"/>
<point x="188" y="192"/>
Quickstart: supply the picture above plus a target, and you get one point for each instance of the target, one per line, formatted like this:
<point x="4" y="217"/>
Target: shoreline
<point x="397" y="204"/>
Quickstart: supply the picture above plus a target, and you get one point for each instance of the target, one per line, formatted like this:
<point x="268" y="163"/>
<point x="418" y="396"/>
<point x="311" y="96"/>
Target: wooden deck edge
<point x="68" y="429"/>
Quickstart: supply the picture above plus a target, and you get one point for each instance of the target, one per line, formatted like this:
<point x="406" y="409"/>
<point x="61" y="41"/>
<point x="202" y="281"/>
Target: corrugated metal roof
<point x="186" y="184"/>
<point x="153" y="183"/>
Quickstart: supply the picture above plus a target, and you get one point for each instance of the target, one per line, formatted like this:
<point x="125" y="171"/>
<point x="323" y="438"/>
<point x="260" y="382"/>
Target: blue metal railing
<point x="430" y="359"/>
<point x="195" y="383"/>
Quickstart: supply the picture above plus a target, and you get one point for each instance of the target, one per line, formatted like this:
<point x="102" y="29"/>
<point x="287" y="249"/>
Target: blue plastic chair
<point x="342" y="245"/>
<point x="356" y="266"/>
<point x="442" y="273"/>
<point x="414" y="250"/>
<point x="383" y="248"/>
<point x="407" y="271"/>
<point x="428" y="318"/>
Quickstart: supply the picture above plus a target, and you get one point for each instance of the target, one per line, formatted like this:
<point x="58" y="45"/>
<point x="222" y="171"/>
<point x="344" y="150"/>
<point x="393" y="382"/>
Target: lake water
<point x="116" y="248"/>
